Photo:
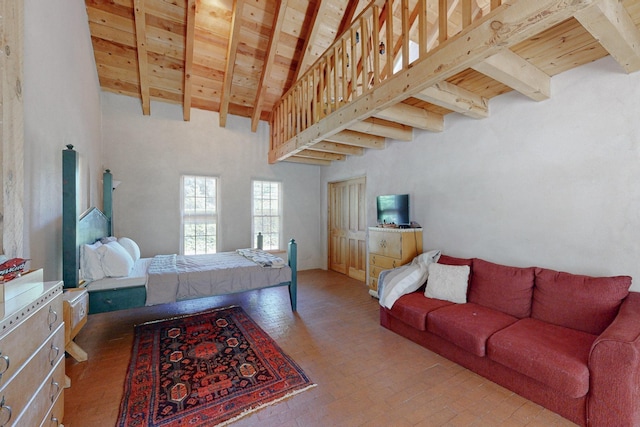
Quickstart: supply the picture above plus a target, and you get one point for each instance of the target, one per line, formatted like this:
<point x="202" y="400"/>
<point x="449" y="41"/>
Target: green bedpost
<point x="107" y="198"/>
<point x="69" y="217"/>
<point x="293" y="263"/>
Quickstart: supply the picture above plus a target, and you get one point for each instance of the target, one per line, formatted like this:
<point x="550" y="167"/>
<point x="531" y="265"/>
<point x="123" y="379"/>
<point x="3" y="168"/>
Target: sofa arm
<point x="614" y="365"/>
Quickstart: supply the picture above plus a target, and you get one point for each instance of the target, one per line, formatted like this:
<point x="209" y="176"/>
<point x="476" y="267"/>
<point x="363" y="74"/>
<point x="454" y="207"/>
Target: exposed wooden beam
<point x="347" y="18"/>
<point x="276" y="29"/>
<point x="188" y="59"/>
<point x="515" y="72"/>
<point x="455" y="98"/>
<point x="357" y="139"/>
<point x="308" y="161"/>
<point x="412" y="116"/>
<point x="383" y="128"/>
<point x="321" y="155"/>
<point x="232" y="49"/>
<point x="307" y="57"/>
<point x="334" y="147"/>
<point x="609" y="23"/>
<point x="139" y="15"/>
<point x="510" y="24"/>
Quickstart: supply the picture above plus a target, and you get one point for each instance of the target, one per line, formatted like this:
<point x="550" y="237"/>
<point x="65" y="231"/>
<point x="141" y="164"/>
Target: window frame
<point x="184" y="217"/>
<point x="279" y="216"/>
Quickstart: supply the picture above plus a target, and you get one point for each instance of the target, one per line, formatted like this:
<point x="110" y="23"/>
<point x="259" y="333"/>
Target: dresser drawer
<point x="385" y="243"/>
<point x="27" y="334"/>
<point x="50" y="390"/>
<point x="56" y="414"/>
<point x="18" y="390"/>
<point x="76" y="308"/>
<point x="383" y="262"/>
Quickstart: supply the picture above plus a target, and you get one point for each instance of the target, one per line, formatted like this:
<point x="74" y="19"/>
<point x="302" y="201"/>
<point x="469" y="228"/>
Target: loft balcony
<point x="406" y="64"/>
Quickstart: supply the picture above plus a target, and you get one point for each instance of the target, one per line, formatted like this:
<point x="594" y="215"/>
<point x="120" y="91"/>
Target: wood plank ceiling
<point x="243" y="57"/>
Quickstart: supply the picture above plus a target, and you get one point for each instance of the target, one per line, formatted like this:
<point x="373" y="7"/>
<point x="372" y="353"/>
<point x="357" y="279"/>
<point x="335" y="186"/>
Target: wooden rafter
<point x="276" y="29"/>
<point x="188" y="59"/>
<point x="334" y="147"/>
<point x="141" y="43"/>
<point x="312" y="34"/>
<point x="609" y="23"/>
<point x="232" y="49"/>
<point x="383" y="128"/>
<point x="455" y="98"/>
<point x="413" y="116"/>
<point x="357" y="139"/>
<point x="514" y="71"/>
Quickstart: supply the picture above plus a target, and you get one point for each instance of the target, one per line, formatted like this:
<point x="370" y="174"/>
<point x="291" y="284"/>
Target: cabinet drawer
<point x="385" y="243"/>
<point x="23" y="339"/>
<point x="373" y="284"/>
<point x="383" y="262"/>
<point x="40" y="405"/>
<point x="374" y="271"/>
<point x="56" y="414"/>
<point x="17" y="392"/>
<point x="76" y="307"/>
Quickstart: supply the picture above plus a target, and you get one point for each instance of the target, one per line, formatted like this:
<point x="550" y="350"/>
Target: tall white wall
<point x="552" y="184"/>
<point x="61" y="106"/>
<point x="150" y="153"/>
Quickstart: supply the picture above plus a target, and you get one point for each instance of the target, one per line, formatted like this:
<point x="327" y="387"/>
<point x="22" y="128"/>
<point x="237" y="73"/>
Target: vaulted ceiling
<point x="300" y="64"/>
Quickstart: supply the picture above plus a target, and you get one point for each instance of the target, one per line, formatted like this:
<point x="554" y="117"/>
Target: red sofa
<point x="570" y="343"/>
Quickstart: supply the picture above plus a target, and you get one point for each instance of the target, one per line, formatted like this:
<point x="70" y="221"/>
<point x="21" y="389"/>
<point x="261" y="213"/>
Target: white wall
<point x="61" y="106"/>
<point x="553" y="184"/>
<point x="150" y="153"/>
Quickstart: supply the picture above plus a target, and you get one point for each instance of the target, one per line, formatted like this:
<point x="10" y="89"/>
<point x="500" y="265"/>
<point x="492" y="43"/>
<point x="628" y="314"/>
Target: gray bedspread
<point x="178" y="277"/>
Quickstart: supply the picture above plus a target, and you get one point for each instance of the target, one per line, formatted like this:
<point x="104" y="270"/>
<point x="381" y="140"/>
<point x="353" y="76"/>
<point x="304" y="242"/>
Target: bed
<point x="162" y="278"/>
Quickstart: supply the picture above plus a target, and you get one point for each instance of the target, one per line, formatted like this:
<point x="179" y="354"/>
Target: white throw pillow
<point x="90" y="264"/>
<point x="116" y="261"/>
<point x="132" y="247"/>
<point x="448" y="282"/>
<point x="406" y="279"/>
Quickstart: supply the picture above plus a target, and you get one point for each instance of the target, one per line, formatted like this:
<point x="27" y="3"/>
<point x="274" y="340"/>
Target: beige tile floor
<point x="365" y="374"/>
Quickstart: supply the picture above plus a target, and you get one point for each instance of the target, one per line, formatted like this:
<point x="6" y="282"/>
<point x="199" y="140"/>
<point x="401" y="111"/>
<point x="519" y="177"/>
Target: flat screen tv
<point x="393" y="209"/>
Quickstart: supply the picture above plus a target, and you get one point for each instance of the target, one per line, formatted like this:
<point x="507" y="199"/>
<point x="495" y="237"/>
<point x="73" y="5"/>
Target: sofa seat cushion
<point x="586" y="303"/>
<point x="503" y="288"/>
<point x="468" y="325"/>
<point x="413" y="309"/>
<point x="554" y="355"/>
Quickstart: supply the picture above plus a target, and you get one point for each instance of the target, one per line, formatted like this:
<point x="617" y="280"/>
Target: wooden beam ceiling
<point x="141" y="45"/>
<point x="232" y="50"/>
<point x="188" y="59"/>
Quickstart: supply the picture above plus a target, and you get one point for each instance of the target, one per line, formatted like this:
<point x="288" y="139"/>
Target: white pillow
<point x="116" y="261"/>
<point x="106" y="240"/>
<point x="131" y="247"/>
<point x="448" y="282"/>
<point x="90" y="265"/>
<point x="406" y="279"/>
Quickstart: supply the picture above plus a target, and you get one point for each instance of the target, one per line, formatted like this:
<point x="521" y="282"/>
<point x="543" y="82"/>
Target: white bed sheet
<point x="137" y="277"/>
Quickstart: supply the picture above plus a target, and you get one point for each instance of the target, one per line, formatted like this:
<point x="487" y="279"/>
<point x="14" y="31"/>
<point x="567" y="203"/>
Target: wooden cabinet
<point x="32" y="358"/>
<point x="390" y="248"/>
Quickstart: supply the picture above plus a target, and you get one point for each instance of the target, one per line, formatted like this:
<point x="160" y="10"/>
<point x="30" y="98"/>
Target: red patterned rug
<point x="204" y="369"/>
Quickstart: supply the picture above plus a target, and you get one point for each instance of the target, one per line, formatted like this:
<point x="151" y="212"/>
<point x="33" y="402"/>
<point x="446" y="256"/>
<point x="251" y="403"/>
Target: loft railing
<point x="373" y="50"/>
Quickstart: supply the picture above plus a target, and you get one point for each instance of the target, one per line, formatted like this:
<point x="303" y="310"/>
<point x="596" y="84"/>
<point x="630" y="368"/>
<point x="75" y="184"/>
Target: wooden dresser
<point x="32" y="357"/>
<point x="390" y="248"/>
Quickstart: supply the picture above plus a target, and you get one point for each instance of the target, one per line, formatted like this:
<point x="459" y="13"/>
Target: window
<point x="199" y="214"/>
<point x="267" y="213"/>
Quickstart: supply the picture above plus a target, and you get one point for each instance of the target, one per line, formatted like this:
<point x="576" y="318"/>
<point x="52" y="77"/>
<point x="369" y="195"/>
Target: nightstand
<point x="75" y="310"/>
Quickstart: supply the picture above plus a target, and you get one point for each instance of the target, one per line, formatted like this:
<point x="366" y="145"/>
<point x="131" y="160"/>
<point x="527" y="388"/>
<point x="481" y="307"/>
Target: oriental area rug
<point x="205" y="369"/>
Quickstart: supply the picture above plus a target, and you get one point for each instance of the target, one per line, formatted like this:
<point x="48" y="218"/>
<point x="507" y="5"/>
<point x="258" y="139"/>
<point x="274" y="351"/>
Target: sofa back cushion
<point x="508" y="289"/>
<point x="579" y="302"/>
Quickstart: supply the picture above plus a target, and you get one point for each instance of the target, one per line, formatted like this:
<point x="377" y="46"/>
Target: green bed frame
<point x="94" y="224"/>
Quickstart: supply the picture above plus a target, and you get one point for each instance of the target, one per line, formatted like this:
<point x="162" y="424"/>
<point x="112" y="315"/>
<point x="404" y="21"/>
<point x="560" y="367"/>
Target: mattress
<point x="137" y="277"/>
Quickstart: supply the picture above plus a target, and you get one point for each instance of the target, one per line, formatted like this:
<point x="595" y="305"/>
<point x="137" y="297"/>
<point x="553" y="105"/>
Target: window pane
<point x="199" y="219"/>
<point x="267" y="217"/>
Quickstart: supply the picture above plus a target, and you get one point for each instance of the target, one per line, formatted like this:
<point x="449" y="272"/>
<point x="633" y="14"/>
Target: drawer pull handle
<point x="4" y="364"/>
<point x="394" y="264"/>
<point x="52" y="318"/>
<point x="5" y="413"/>
<point x="53" y="354"/>
<point x="55" y="420"/>
<point x="56" y="388"/>
<point x="383" y="243"/>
